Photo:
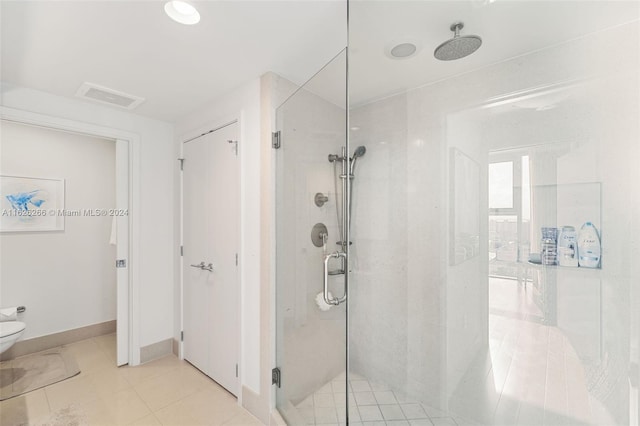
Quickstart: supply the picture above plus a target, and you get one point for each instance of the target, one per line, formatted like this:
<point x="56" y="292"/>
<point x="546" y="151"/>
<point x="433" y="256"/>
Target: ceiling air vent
<point x="108" y="96"/>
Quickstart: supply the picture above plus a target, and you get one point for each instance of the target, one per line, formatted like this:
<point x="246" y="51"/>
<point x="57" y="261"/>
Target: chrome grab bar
<point x="204" y="267"/>
<point x="327" y="300"/>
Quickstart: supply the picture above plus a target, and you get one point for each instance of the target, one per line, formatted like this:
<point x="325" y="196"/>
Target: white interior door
<point x="196" y="281"/>
<point x="122" y="251"/>
<point x="211" y="234"/>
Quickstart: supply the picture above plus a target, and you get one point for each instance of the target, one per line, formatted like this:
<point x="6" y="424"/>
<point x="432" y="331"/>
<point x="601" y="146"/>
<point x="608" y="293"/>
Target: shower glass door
<point x="311" y="335"/>
<point x="459" y="312"/>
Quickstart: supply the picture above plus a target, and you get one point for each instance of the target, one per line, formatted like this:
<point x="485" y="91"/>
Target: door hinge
<point x="121" y="263"/>
<point x="181" y="250"/>
<point x="236" y="259"/>
<point x="275" y="376"/>
<point x="181" y="160"/>
<point x="276" y="141"/>
<point x="236" y="370"/>
<point x="182" y="336"/>
<point x="235" y="147"/>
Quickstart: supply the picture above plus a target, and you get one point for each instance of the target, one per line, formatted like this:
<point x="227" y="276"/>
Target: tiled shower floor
<point x="531" y="375"/>
<point x="370" y="404"/>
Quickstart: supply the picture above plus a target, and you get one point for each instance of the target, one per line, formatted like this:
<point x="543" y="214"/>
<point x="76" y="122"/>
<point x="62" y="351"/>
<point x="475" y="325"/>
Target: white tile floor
<point x="370" y="404"/>
<point x="172" y="392"/>
<point x="162" y="392"/>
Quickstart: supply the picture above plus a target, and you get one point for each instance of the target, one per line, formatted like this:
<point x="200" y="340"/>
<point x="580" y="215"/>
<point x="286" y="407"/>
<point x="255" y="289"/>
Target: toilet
<point x="10" y="333"/>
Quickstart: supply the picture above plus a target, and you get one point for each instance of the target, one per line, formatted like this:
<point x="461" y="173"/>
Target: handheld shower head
<point x="359" y="152"/>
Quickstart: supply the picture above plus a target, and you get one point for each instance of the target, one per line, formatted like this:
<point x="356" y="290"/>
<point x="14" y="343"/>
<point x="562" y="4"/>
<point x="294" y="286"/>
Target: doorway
<point x="97" y="221"/>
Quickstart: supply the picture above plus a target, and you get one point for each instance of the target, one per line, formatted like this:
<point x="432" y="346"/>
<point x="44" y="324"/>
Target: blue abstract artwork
<point x="21" y="200"/>
<point x="31" y="204"/>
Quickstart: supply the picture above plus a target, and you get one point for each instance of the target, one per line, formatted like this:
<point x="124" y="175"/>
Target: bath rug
<point x="69" y="416"/>
<point x="31" y="372"/>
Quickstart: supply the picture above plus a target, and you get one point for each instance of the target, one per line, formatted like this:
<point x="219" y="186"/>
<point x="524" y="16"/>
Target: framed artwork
<point x="30" y="204"/>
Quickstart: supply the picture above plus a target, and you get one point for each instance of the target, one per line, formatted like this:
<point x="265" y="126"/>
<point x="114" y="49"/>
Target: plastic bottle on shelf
<point x="589" y="250"/>
<point x="567" y="247"/>
<point x="548" y="245"/>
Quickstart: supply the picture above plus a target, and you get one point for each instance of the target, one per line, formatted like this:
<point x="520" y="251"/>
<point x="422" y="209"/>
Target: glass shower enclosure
<point x="310" y="255"/>
<point x="476" y="293"/>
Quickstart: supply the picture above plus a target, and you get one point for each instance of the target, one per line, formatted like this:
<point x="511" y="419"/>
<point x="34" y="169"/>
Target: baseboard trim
<point x="42" y="343"/>
<point x="253" y="403"/>
<point x="176" y="347"/>
<point x="156" y="350"/>
<point x="276" y="419"/>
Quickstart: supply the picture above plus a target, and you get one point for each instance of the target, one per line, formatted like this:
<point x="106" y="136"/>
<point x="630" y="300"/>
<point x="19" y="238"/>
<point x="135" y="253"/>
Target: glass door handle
<point x="325" y="280"/>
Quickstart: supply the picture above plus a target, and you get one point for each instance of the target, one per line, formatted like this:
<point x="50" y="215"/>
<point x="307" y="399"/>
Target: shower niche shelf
<point x="571" y="204"/>
<point x="560" y="267"/>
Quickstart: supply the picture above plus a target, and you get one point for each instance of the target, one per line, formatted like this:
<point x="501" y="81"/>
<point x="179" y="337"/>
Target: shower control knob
<point x="320" y="199"/>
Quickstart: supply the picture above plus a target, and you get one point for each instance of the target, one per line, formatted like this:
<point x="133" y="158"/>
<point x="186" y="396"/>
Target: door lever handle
<point x="204" y="267"/>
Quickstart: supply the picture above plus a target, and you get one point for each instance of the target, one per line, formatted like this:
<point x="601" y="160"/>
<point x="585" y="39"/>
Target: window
<point x="509" y="211"/>
<point x="501" y="185"/>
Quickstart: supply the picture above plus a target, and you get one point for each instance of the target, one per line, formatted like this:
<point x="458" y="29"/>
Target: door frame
<point x="186" y="137"/>
<point x="129" y="162"/>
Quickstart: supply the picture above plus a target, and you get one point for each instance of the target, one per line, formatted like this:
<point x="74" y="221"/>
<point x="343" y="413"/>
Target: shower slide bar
<point x="332" y="301"/>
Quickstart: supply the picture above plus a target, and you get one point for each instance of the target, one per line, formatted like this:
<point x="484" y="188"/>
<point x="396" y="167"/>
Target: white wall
<point x="65" y="279"/>
<point x="242" y="104"/>
<point x="154" y="173"/>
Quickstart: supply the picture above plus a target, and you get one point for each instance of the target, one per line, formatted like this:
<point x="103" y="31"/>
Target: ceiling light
<point x="182" y="12"/>
<point x="402" y="49"/>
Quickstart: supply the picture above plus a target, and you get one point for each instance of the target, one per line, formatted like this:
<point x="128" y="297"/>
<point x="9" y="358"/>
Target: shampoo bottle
<point x="588" y="246"/>
<point x="567" y="247"/>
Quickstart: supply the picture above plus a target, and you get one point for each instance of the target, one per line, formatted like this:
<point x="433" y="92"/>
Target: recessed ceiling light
<point x="402" y="49"/>
<point x="182" y="12"/>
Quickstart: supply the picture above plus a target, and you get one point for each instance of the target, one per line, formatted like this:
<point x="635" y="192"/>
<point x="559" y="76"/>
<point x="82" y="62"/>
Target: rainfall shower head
<point x="359" y="152"/>
<point x="459" y="46"/>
